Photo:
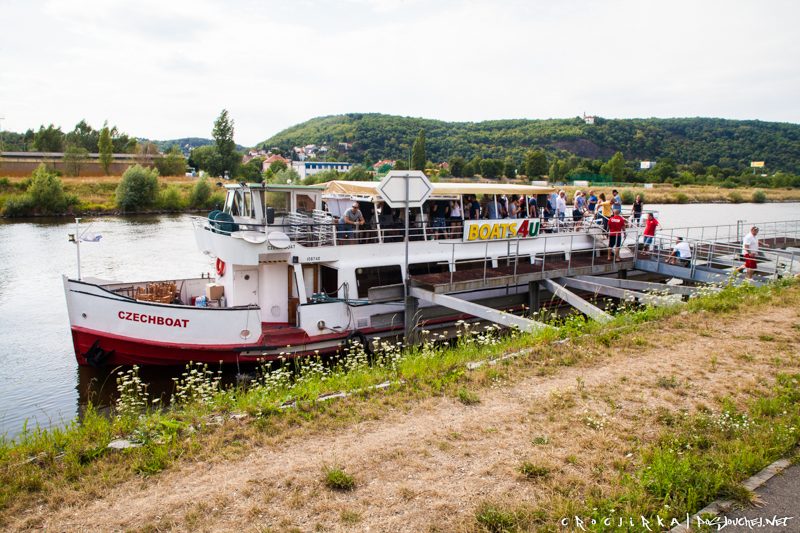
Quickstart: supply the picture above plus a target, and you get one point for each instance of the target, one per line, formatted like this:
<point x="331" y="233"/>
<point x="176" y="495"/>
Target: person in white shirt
<point x="561" y="205"/>
<point x="750" y="251"/>
<point x="682" y="252"/>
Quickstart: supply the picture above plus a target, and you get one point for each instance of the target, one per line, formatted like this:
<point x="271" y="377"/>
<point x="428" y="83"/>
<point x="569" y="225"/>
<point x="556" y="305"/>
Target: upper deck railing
<point x="322" y="229"/>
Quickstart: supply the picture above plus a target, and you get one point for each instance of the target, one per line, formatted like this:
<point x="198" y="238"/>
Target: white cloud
<point x="166" y="69"/>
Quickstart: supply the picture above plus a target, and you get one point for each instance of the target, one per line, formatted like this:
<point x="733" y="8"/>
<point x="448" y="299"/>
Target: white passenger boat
<point x="287" y="284"/>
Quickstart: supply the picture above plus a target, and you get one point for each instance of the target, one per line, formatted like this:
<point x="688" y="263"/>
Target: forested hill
<point x="711" y="141"/>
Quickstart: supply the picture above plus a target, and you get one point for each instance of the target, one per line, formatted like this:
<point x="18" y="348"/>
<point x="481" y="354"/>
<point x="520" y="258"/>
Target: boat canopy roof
<point x="369" y="188"/>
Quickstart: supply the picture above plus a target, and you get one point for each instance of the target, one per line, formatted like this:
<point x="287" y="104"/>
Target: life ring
<point x="357" y="336"/>
<point x="220" y="267"/>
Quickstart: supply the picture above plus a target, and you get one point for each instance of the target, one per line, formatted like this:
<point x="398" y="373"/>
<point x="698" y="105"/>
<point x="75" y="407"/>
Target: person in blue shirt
<point x="533" y="207"/>
<point x="616" y="202"/>
<point x="491" y="208"/>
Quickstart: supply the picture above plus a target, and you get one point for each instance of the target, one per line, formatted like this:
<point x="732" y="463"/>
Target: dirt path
<point x="428" y="468"/>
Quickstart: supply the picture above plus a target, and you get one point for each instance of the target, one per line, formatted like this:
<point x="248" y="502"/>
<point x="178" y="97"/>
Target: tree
<point x="615" y="167"/>
<point x="84" y="136"/>
<point x="400" y="165"/>
<point x="138" y="188"/>
<point x="46" y="192"/>
<point x="491" y="168"/>
<point x="200" y="156"/>
<point x="224" y="158"/>
<point x="418" y="155"/>
<point x="172" y="164"/>
<point x="48" y="140"/>
<point x="535" y="164"/>
<point x="509" y="170"/>
<point x="457" y="166"/>
<point x="559" y="171"/>
<point x="106" y="147"/>
<point x="200" y="194"/>
<point x="75" y="157"/>
<point x="277" y="166"/>
<point x="666" y="168"/>
<point x="146" y="153"/>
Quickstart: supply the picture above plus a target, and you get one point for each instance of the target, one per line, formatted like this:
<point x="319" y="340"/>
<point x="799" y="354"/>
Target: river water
<point x="40" y="381"/>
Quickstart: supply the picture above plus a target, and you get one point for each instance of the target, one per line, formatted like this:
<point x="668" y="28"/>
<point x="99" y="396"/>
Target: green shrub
<point x="138" y="188"/>
<point x="729" y="184"/>
<point x="681" y="198"/>
<point x="628" y="197"/>
<point x="171" y="199"/>
<point x="201" y="192"/>
<point x="336" y="478"/>
<point x="466" y="397"/>
<point x="15" y="206"/>
<point x="759" y="196"/>
<point x="47" y="194"/>
<point x="217" y="199"/>
<point x="735" y="197"/>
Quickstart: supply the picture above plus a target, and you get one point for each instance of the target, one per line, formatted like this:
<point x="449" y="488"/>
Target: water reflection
<point x="98" y="386"/>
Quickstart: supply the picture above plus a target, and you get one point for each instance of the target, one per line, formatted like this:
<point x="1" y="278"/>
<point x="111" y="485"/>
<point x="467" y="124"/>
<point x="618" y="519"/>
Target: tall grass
<point x="53" y="464"/>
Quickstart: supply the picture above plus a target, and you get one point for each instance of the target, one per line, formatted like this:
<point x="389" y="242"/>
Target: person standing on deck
<point x="636" y="210"/>
<point x="561" y="204"/>
<point x="533" y="206"/>
<point x="347" y="224"/>
<point x="750" y="251"/>
<point x="604" y="211"/>
<point x="492" y="208"/>
<point x="475" y="208"/>
<point x="513" y="207"/>
<point x="616" y="233"/>
<point x="578" y="202"/>
<point x="650" y="230"/>
<point x="591" y="206"/>
<point x="616" y="201"/>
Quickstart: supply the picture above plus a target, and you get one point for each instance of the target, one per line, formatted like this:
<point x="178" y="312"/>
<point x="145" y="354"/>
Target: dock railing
<point x="599" y="245"/>
<point x="725" y="256"/>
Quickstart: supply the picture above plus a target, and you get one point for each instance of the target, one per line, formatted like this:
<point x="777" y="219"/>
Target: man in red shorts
<point x="750" y="250"/>
<point x="616" y="233"/>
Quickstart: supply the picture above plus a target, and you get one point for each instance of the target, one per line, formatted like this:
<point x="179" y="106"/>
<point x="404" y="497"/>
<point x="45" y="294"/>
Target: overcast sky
<point x="165" y="69"/>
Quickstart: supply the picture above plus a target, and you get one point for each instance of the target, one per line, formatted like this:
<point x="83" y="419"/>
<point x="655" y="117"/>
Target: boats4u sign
<point x="501" y="229"/>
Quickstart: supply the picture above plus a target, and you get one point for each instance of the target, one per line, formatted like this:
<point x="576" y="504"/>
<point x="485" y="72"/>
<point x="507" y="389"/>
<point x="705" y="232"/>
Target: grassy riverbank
<point x="653" y="414"/>
<point x="96" y="195"/>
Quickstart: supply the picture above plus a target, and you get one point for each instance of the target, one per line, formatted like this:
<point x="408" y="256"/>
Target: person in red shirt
<point x="650" y="230"/>
<point x="616" y="233"/>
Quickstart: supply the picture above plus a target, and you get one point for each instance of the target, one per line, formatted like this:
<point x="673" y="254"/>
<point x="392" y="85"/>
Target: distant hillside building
<point x="309" y="168"/>
<point x="588" y="119"/>
<point x="271" y="159"/>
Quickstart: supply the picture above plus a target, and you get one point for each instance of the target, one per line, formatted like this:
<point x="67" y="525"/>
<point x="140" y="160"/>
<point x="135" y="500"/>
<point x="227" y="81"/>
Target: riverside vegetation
<point x="657" y="461"/>
<point x="139" y="189"/>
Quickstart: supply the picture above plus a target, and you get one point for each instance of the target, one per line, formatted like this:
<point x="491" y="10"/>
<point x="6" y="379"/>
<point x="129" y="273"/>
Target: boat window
<point x="236" y="204"/>
<point x="304" y="204"/>
<point x="262" y="204"/>
<point x="368" y="277"/>
<point x="229" y="201"/>
<point x="278" y="200"/>
<point x="420" y="269"/>
<point x="247" y="205"/>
